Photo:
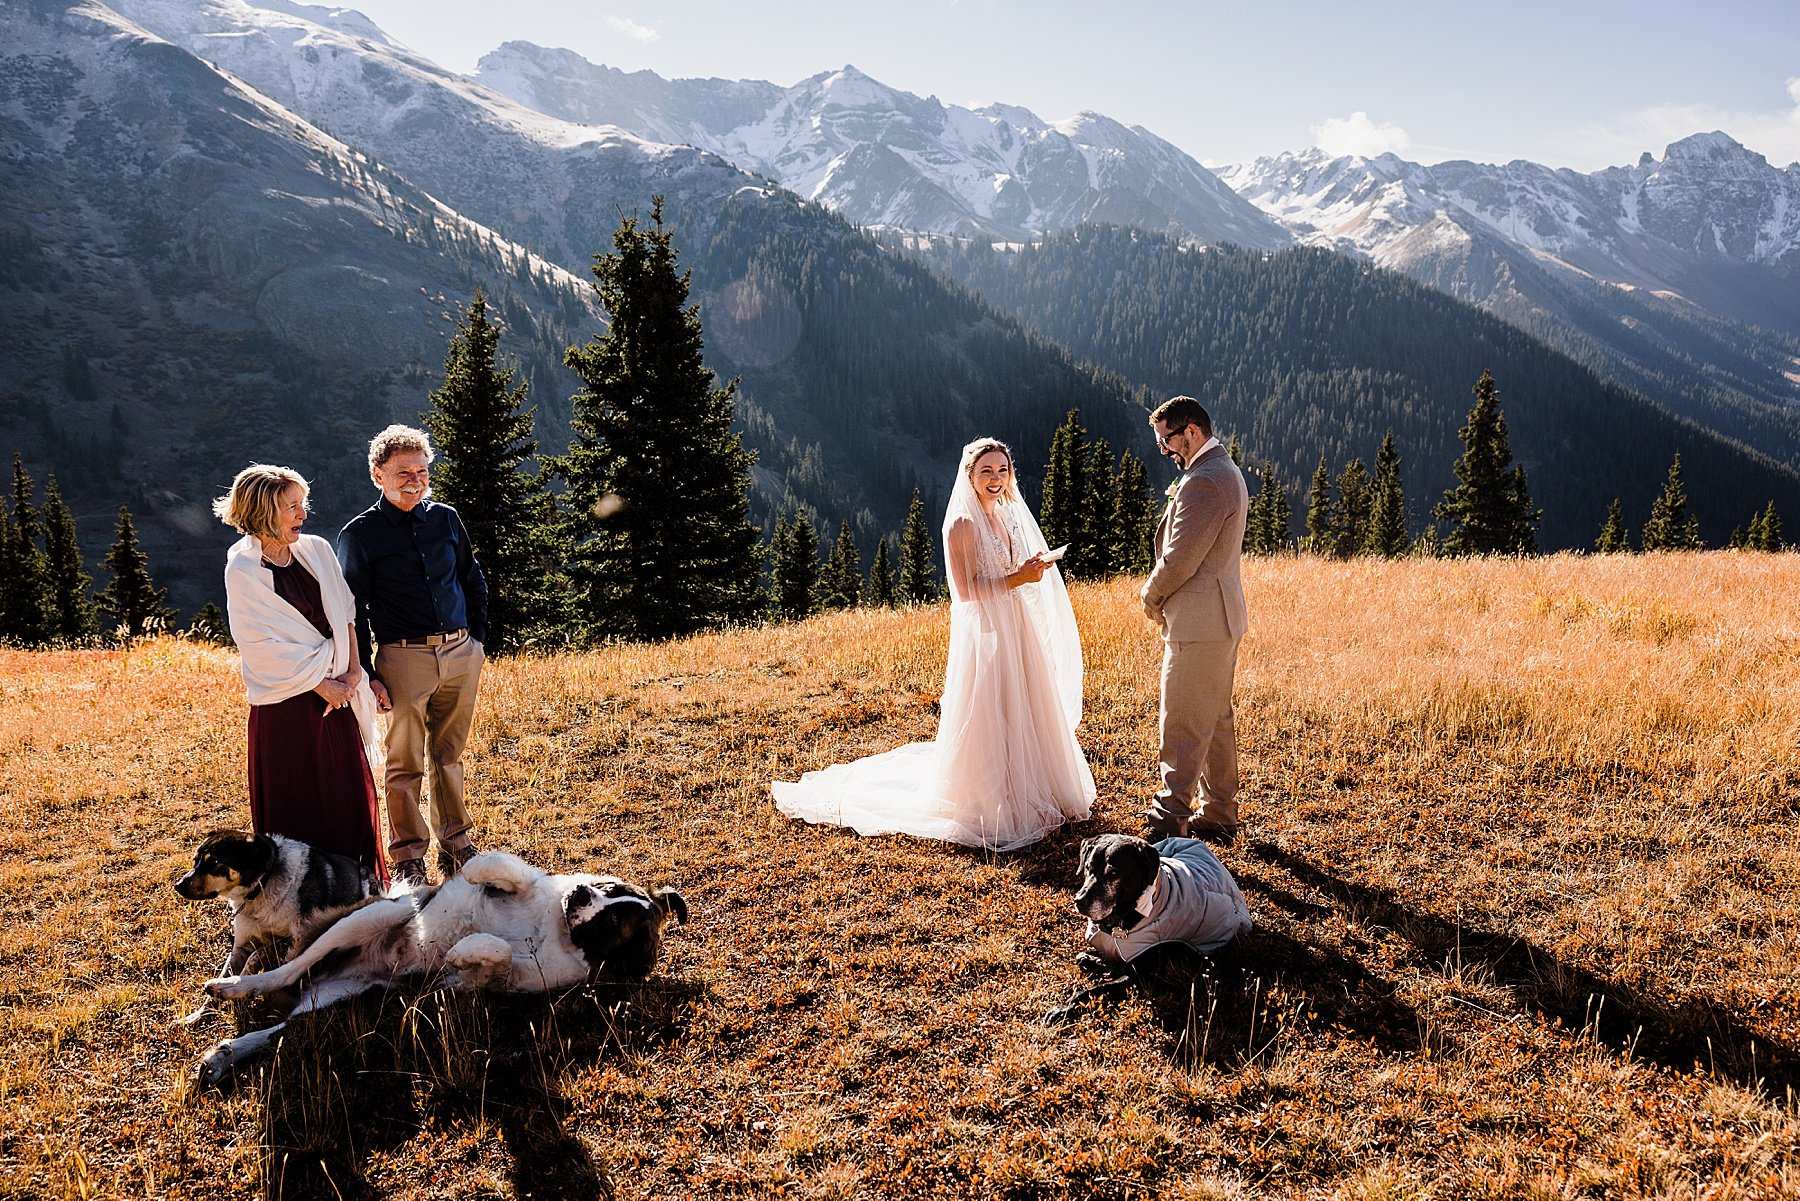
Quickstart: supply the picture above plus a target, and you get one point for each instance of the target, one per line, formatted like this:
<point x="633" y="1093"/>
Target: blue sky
<point x="1581" y="83"/>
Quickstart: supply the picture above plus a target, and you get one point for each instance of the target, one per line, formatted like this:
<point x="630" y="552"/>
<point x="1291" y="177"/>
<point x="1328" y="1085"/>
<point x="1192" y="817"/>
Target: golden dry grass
<point x="1519" y="839"/>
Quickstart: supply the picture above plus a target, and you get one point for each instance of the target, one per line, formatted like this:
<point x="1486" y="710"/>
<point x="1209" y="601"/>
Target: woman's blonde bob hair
<point x="253" y="506"/>
<point x="981" y="446"/>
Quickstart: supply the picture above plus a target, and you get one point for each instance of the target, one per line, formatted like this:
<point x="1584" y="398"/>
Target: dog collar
<point x="255" y="892"/>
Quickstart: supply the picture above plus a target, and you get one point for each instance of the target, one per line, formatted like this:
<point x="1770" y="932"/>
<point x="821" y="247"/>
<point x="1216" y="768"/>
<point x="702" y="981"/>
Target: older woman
<point x="312" y="716"/>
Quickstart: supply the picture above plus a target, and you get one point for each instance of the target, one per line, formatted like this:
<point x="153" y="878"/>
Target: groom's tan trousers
<point x="1198" y="741"/>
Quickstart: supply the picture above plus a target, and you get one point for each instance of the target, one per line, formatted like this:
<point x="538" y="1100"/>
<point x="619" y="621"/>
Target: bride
<point x="1005" y="767"/>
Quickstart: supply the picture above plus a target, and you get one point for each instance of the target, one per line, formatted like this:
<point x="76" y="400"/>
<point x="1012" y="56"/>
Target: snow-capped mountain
<point x="1679" y="277"/>
<point x="555" y="185"/>
<point x="883" y="157"/>
<point x="1668" y="226"/>
<point x="197" y="278"/>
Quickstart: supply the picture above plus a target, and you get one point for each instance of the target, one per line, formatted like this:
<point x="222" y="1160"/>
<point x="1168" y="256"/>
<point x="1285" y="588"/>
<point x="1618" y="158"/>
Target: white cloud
<point x="1357" y="134"/>
<point x="632" y="30"/>
<point x="1774" y="134"/>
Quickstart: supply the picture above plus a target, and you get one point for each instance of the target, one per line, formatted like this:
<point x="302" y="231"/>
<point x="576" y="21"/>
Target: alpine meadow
<point x="748" y="409"/>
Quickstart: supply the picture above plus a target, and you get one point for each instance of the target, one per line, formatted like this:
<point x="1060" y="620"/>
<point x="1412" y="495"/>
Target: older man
<point x="421" y="594"/>
<point x="1195" y="595"/>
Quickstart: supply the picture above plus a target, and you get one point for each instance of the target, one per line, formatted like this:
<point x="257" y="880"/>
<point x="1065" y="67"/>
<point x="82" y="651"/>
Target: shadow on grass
<point x="1238" y="1005"/>
<point x="368" y="1075"/>
<point x="1679" y="1035"/>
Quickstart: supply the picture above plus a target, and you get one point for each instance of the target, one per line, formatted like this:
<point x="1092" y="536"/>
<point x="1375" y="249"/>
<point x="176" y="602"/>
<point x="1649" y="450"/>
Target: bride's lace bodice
<point x="995" y="558"/>
<point x="978" y="558"/>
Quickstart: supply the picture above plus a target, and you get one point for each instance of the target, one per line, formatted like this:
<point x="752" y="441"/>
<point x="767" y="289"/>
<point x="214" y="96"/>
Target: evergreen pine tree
<point x="1266" y="528"/>
<point x="1100" y="496"/>
<point x="131" y="600"/>
<point x="482" y="431"/>
<point x="15" y="621"/>
<point x="1387" y="537"/>
<point x="651" y="445"/>
<point x="881" y="577"/>
<point x="1612" y="539"/>
<point x="210" y="625"/>
<point x="1133" y="520"/>
<point x="796" y="568"/>
<point x="1321" y="538"/>
<point x="840" y="587"/>
<point x="1235" y="449"/>
<point x="1769" y="537"/>
<point x="1671" y="525"/>
<point x="1350" y="516"/>
<point x="1490" y="510"/>
<point x="1060" y="516"/>
<point x="1253" y="516"/>
<point x="24" y="570"/>
<point x="71" y="600"/>
<point x="1278" y="517"/>
<point x="769" y="555"/>
<point x="917" y="584"/>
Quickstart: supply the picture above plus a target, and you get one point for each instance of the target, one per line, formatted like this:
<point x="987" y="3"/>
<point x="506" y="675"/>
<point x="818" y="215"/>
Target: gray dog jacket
<point x="1195" y="901"/>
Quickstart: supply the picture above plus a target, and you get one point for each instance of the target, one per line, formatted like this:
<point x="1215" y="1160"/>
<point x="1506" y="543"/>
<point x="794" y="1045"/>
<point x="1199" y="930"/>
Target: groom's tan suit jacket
<point x="1199" y="543"/>
<point x="1197" y="589"/>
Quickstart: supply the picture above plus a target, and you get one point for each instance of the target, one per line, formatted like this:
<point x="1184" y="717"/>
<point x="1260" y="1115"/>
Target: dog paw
<point x="1092" y="964"/>
<point x="226" y="988"/>
<point x="1062" y="1015"/>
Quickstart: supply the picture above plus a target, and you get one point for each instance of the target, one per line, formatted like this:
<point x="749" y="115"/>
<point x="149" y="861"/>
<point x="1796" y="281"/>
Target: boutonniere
<point x="1169" y="494"/>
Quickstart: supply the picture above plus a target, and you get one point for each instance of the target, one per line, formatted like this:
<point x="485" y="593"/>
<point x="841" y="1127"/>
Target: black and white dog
<point x="1138" y="896"/>
<point x="280" y="891"/>
<point x="501" y="924"/>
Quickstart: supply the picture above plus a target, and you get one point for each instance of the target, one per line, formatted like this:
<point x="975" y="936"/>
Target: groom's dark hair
<point x="1180" y="411"/>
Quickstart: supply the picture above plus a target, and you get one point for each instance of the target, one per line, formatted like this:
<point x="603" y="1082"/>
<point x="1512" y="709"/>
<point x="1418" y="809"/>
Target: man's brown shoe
<point x="450" y="860"/>
<point x="1221" y="835"/>
<point x="407" y="873"/>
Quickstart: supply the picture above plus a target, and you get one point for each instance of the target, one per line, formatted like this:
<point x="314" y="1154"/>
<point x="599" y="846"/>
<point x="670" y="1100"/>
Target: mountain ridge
<point x="887" y="158"/>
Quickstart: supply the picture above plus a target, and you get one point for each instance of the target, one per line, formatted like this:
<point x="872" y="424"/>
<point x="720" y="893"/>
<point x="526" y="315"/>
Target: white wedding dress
<point x="1005" y="768"/>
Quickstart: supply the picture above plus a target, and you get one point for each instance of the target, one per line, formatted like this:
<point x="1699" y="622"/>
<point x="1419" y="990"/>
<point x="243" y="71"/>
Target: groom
<point x="1195" y="595"/>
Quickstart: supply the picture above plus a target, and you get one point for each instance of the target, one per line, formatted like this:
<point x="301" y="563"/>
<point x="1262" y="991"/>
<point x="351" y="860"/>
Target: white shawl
<point x="282" y="653"/>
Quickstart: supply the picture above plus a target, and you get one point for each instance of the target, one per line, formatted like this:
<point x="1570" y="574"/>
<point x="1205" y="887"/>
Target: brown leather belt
<point x="448" y="638"/>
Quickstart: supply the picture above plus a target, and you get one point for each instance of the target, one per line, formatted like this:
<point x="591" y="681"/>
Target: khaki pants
<point x="1198" y="740"/>
<point x="433" y="692"/>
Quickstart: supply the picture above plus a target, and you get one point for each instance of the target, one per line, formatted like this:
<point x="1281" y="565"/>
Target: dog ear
<point x="670" y="901"/>
<point x="1087" y="848"/>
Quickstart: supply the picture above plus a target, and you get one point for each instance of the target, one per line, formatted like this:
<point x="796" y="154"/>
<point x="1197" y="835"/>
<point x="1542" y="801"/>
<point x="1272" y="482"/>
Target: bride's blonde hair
<point x="982" y="446"/>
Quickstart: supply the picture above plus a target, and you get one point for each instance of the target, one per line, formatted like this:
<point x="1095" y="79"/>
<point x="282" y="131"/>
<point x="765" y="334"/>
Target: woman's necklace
<point x="287" y="556"/>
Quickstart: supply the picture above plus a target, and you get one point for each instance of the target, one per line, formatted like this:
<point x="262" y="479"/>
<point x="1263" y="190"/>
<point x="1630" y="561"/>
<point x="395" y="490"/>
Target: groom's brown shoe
<point x="1218" y="835"/>
<point x="1158" y="826"/>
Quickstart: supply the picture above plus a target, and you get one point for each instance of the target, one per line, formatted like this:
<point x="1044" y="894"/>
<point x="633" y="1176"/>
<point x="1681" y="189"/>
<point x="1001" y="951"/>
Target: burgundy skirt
<point x="310" y="780"/>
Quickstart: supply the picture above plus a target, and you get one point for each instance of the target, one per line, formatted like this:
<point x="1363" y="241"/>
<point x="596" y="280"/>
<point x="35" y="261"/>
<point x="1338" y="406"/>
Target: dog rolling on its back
<point x="501" y="924"/>
<point x="279" y="889"/>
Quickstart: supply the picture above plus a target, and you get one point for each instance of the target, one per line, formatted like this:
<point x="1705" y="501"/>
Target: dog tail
<point x="670" y="901"/>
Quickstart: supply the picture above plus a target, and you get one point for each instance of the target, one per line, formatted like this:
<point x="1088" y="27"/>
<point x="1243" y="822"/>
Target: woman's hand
<point x="1029" y="572"/>
<point x="336" y="693"/>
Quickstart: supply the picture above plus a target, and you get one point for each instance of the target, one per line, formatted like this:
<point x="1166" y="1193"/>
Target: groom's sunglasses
<point x="1163" y="442"/>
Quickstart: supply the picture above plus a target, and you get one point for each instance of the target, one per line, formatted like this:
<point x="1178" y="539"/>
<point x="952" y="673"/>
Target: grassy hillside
<point x="1519" y="841"/>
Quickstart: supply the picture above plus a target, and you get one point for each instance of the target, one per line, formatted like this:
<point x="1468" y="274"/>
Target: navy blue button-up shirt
<point x="413" y="573"/>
